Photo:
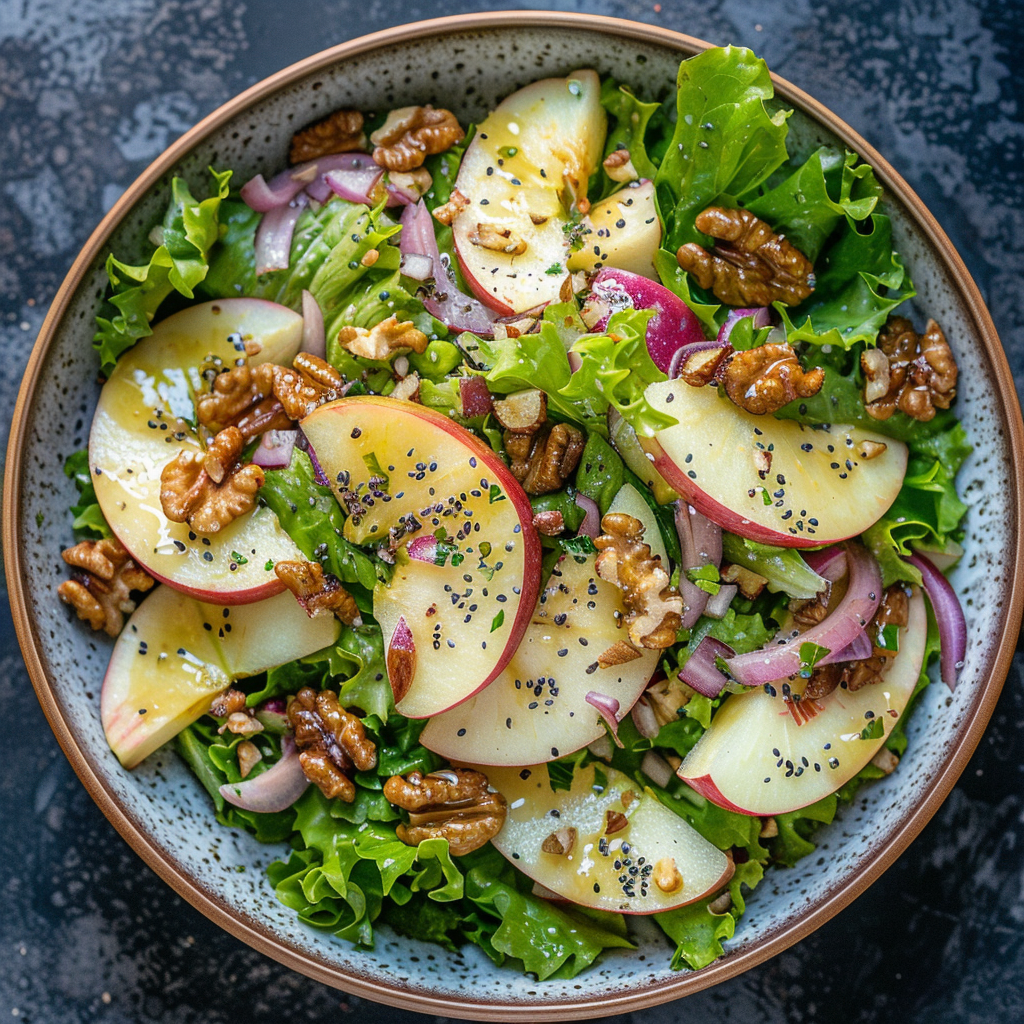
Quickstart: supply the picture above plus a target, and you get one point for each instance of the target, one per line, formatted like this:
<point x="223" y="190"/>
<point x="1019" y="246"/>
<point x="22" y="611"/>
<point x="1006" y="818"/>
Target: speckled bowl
<point x="468" y="64"/>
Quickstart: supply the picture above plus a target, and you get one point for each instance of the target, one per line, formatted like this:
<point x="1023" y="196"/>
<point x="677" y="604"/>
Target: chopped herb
<point x="810" y="655"/>
<point x="240" y="559"/>
<point x="269" y="566"/>
<point x="579" y="547"/>
<point x="495" y="494"/>
<point x="706" y="578"/>
<point x="874" y="730"/>
<point x="378" y="478"/>
<point x="888" y="637"/>
<point x="498" y="620"/>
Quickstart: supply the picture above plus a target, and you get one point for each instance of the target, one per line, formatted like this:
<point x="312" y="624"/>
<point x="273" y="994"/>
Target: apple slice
<point x="176" y="654"/>
<point x="625" y="232"/>
<point x="529" y="161"/>
<point x="146" y="415"/>
<point x="536" y="710"/>
<point x="773" y="481"/>
<point x="758" y="757"/>
<point x="616" y="830"/>
<point x="453" y="613"/>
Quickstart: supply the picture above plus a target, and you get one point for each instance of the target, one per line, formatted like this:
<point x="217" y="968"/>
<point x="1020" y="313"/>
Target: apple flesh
<point x="536" y="710"/>
<point x="527" y="164"/>
<point x="176" y="654"/>
<point x="624" y="232"/>
<point x="757" y="757"/>
<point x="628" y="445"/>
<point x="648" y="836"/>
<point x="818" y="488"/>
<point x="454" y="612"/>
<point x="146" y="416"/>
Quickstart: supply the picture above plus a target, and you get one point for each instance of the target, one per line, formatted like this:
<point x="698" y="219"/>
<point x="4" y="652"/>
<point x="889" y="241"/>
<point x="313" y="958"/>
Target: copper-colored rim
<point x="252" y="931"/>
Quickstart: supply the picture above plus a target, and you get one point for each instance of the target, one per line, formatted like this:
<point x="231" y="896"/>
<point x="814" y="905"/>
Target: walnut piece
<point x="916" y="374"/>
<point x="762" y="380"/>
<point x="227" y="703"/>
<point x="824" y="679"/>
<point x="248" y="757"/>
<point x="809" y="612"/>
<point x="447" y="213"/>
<point x="384" y="339"/>
<point x="318" y="592"/>
<point x="497" y="239"/>
<point x="893" y="610"/>
<point x="411" y="134"/>
<point x="243" y="397"/>
<point x="413" y="183"/>
<point x="703" y="367"/>
<point x="340" y="132"/>
<point x="522" y="412"/>
<point x="190" y="494"/>
<point x="654" y="608"/>
<point x="620" y="653"/>
<point x="550" y="523"/>
<point x="332" y="742"/>
<point x="543" y="461"/>
<point x="667" y="697"/>
<point x="750" y="265"/>
<point x="311" y="382"/>
<point x="750" y="583"/>
<point x="618" y="165"/>
<point x="453" y="804"/>
<point x="242" y="723"/>
<point x="101" y="592"/>
<point x="667" y="876"/>
<point x="560" y="842"/>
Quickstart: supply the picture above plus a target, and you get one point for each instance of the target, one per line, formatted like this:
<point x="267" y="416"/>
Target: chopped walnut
<point x="869" y="450"/>
<point x="332" y="742"/>
<point x="620" y="653"/>
<point x="413" y="183"/>
<point x="886" y="760"/>
<point x="912" y="373"/>
<point x="762" y="380"/>
<point x="618" y="165"/>
<point x="750" y="265"/>
<point x="497" y="239"/>
<point x="654" y="608"/>
<point x="824" y="679"/>
<point x="340" y="132"/>
<point x="447" y="213"/>
<point x="408" y="388"/>
<point x="384" y="339"/>
<point x="311" y="382"/>
<point x="560" y="843"/>
<point x="242" y="723"/>
<point x="667" y="698"/>
<point x="750" y="583"/>
<point x="243" y="397"/>
<point x="411" y="134"/>
<point x="317" y="591"/>
<point x="893" y="610"/>
<point x="101" y="592"/>
<point x="721" y="904"/>
<point x="522" y="412"/>
<point x="769" y="828"/>
<point x="614" y="821"/>
<point x="550" y="523"/>
<point x="543" y="461"/>
<point x="227" y="703"/>
<point x="810" y="612"/>
<point x="248" y="757"/>
<point x="667" y="876"/>
<point x="703" y="367"/>
<point x="190" y="494"/>
<point x="453" y="804"/>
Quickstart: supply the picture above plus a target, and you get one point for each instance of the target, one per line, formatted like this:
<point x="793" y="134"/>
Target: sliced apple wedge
<point x="621" y="850"/>
<point x="458" y="604"/>
<point x="537" y="710"/>
<point x="146" y="415"/>
<point x="758" y="757"/>
<point x="176" y="654"/>
<point x="528" y="162"/>
<point x="773" y="481"/>
<point x="624" y="232"/>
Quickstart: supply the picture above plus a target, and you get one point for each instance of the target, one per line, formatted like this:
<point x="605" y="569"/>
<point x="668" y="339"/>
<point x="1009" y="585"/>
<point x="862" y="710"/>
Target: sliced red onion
<point x="398" y="196"/>
<point x="591" y="525"/>
<point x="857" y="650"/>
<point x="644" y="719"/>
<point x="314" y="339"/>
<point x="700" y="541"/>
<point x="274" y="235"/>
<point x="423" y="548"/>
<point x="829" y="563"/>
<point x="575" y="361"/>
<point x="700" y="671"/>
<point x="718" y="604"/>
<point x="417" y="267"/>
<point x="261" y="196"/>
<point x="657" y="769"/>
<point x="838" y="630"/>
<point x="949" y="615"/>
<point x="762" y="318"/>
<point x="318" y="188"/>
<point x="608" y="708"/>
<point x="474" y="396"/>
<point x="355" y="186"/>
<point x="682" y="355"/>
<point x="275" y="789"/>
<point x="318" y="473"/>
<point x="275" y="450"/>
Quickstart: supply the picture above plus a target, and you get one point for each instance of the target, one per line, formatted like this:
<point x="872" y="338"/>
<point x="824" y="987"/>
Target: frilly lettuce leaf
<point x="89" y="522"/>
<point x="797" y="828"/>
<point x="189" y="230"/>
<point x="783" y="568"/>
<point x="629" y="128"/>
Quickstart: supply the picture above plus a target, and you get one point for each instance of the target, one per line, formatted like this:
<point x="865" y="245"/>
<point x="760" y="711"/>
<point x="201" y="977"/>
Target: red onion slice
<point x="318" y="188"/>
<point x="474" y="396"/>
<point x="319" y="475"/>
<point x="762" y="318"/>
<point x="829" y="563"/>
<point x="423" y="548"/>
<point x="718" y="604"/>
<point x="644" y="719"/>
<point x="274" y="236"/>
<point x="608" y="708"/>
<point x="700" y="541"/>
<point x="700" y="671"/>
<point x="857" y="650"/>
<point x="275" y="450"/>
<point x="949" y="615"/>
<point x="275" y="789"/>
<point x="314" y="340"/>
<point x="263" y="196"/>
<point x="591" y="525"/>
<point x="355" y="186"/>
<point x="839" y="629"/>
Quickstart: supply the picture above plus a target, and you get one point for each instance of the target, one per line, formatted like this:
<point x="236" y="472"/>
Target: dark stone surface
<point x="90" y="92"/>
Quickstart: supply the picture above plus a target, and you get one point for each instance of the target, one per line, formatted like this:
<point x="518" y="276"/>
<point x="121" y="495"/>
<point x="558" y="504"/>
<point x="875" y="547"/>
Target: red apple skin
<point x="710" y="791"/>
<point x="489" y="300"/>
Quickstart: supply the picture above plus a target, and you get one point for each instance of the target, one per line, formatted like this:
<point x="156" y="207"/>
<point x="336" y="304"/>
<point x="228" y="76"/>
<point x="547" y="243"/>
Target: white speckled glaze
<point x="469" y="71"/>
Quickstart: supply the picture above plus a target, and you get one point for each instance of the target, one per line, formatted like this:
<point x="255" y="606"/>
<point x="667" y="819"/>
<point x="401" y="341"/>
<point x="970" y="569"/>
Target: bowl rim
<point x="253" y="932"/>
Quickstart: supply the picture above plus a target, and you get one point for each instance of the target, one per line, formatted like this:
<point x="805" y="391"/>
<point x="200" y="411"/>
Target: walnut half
<point x="411" y="134"/>
<point x="384" y="339"/>
<point x="453" y="804"/>
<point x="340" y="132"/>
<point x="762" y="380"/>
<point x="543" y="461"/>
<point x="317" y="591"/>
<point x="749" y="265"/>
<point x="654" y="609"/>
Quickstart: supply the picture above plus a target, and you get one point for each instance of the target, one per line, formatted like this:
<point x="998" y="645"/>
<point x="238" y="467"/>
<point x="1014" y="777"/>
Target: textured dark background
<point x="90" y="92"/>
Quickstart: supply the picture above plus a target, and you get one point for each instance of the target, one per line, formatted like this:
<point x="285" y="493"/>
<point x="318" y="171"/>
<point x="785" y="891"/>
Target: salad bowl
<point x="468" y="64"/>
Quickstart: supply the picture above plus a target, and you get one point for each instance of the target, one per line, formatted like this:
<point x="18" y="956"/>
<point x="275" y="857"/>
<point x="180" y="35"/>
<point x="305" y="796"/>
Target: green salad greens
<point x="568" y="340"/>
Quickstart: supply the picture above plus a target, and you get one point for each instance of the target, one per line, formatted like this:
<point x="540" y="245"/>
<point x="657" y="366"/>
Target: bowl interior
<point x="469" y="70"/>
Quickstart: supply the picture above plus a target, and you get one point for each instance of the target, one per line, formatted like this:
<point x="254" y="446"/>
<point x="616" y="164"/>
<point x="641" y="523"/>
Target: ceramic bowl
<point x="468" y="64"/>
